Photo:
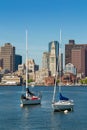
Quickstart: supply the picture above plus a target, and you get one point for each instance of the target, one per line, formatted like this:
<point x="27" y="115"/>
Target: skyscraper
<point x="76" y="54"/>
<point x="50" y="58"/>
<point x="7" y="54"/>
<point x="45" y="60"/>
<point x="68" y="48"/>
<point x="53" y="56"/>
<point x="18" y="61"/>
<point x="56" y="43"/>
<point x="78" y="60"/>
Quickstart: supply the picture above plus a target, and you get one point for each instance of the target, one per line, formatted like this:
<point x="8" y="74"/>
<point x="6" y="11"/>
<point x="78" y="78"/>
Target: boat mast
<point x="54" y="93"/>
<point x="56" y="74"/>
<point x="60" y="64"/>
<point x="26" y="61"/>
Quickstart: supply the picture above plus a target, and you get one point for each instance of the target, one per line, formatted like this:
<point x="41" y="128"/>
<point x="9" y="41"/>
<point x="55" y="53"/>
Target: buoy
<point x="21" y="105"/>
<point x="66" y="111"/>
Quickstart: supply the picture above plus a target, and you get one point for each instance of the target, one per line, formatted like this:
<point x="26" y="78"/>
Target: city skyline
<point x="43" y="20"/>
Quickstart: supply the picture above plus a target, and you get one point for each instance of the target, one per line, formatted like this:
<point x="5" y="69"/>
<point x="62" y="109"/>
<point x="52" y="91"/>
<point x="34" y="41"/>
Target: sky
<point x="43" y="20"/>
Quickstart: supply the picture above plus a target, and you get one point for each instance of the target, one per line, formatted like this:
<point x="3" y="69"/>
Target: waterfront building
<point x="7" y="57"/>
<point x="49" y="81"/>
<point x="70" y="68"/>
<point x="11" y="80"/>
<point x="21" y="68"/>
<point x="32" y="67"/>
<point x="69" y="76"/>
<point x="76" y="54"/>
<point x="40" y="76"/>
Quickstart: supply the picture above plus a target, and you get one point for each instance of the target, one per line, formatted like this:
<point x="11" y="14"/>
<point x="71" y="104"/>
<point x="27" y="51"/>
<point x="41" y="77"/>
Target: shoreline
<point x="82" y="85"/>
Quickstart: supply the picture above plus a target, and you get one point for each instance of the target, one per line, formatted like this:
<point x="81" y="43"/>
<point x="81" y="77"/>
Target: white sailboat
<point x="30" y="98"/>
<point x="63" y="103"/>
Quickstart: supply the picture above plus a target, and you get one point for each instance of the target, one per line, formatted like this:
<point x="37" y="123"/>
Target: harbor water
<point x="42" y="117"/>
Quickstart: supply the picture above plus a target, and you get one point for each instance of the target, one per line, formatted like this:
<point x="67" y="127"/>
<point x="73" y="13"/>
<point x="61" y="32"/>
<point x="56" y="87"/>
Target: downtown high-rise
<point x="50" y="58"/>
<point x="77" y="55"/>
<point x="7" y="57"/>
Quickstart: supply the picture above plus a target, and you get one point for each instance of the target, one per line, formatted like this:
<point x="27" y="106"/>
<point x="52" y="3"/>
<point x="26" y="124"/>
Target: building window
<point x="52" y="59"/>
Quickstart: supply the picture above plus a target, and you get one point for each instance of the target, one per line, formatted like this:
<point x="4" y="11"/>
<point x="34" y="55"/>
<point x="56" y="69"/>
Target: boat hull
<point x="30" y="101"/>
<point x="62" y="105"/>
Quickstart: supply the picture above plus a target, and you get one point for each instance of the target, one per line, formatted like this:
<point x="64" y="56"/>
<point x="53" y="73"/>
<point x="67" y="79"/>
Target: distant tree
<point x="85" y="80"/>
<point x="58" y="81"/>
<point x="81" y="81"/>
<point x="30" y="80"/>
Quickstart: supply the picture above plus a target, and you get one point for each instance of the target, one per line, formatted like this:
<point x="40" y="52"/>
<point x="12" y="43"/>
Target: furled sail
<point x="62" y="97"/>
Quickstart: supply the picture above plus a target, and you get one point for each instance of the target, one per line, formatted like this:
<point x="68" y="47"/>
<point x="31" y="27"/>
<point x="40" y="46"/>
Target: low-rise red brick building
<point x="49" y="81"/>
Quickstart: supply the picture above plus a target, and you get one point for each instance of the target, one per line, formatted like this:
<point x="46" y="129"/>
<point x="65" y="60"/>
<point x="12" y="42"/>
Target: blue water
<point x="42" y="117"/>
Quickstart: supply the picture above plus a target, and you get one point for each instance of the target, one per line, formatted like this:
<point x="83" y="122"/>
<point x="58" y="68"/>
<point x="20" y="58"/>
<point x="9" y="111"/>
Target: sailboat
<point x="63" y="103"/>
<point x="29" y="98"/>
